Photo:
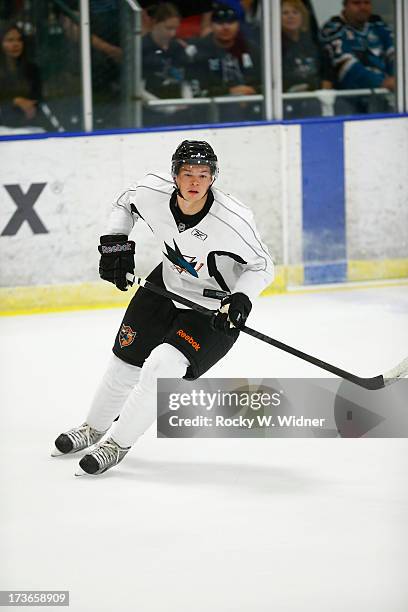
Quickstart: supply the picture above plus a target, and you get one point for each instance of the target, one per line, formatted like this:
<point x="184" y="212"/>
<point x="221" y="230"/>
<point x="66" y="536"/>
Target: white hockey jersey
<point x="225" y="238"/>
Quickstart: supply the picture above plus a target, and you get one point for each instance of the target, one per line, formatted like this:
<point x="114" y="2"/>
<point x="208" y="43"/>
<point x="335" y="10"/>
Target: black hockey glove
<point x="232" y="314"/>
<point x="117" y="258"/>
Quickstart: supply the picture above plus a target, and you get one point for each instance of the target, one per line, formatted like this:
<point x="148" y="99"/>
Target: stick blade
<point x="372" y="384"/>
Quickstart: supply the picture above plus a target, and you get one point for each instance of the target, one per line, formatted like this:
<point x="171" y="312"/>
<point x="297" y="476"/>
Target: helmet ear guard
<point x="194" y="153"/>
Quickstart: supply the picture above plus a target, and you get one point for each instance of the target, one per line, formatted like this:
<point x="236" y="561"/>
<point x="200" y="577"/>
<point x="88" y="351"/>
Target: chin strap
<point x="178" y="192"/>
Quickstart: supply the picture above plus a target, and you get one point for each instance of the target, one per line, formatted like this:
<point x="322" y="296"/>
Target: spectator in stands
<point x="20" y="81"/>
<point x="165" y="59"/>
<point x="249" y="16"/>
<point x="361" y="49"/>
<point x="252" y="18"/>
<point x="304" y="65"/>
<point x="226" y="63"/>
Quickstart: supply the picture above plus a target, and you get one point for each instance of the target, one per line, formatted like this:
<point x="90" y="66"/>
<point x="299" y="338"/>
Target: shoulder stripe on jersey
<point x="122" y="194"/>
<point x="159" y="177"/>
<point x="250" y="227"/>
<point x="243" y="239"/>
<point x="228" y="195"/>
<point x="125" y="207"/>
<point x="151" y="189"/>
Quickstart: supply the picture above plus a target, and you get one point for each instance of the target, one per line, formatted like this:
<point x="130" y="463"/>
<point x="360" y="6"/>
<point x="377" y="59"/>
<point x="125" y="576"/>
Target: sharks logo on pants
<point x="126" y="335"/>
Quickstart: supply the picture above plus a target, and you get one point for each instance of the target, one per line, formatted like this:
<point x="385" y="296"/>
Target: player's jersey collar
<point x="183" y="221"/>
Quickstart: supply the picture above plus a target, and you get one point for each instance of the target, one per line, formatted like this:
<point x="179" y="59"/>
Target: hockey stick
<point x="373" y="383"/>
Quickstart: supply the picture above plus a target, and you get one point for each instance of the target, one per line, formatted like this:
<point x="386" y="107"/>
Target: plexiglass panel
<point x="338" y="58"/>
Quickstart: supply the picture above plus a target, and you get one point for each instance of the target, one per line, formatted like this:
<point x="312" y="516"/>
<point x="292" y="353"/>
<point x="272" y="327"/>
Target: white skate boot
<point x="76" y="439"/>
<point x="105" y="455"/>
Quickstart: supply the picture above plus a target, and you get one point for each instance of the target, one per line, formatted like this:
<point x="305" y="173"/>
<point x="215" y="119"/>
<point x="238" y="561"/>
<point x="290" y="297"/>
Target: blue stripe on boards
<point x="202" y="126"/>
<point x="324" y="228"/>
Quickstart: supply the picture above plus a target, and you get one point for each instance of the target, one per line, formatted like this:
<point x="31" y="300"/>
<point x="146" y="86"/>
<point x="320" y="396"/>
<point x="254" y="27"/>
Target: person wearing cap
<point x="226" y="64"/>
<point x="209" y="241"/>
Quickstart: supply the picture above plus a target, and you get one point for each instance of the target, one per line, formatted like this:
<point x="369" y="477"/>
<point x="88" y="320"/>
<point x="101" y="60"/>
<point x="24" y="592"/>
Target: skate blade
<point x="57" y="453"/>
<point x="81" y="472"/>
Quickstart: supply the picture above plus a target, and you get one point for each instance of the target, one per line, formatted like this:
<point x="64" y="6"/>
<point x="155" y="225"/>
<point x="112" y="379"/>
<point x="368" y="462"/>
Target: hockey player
<point x="209" y="240"/>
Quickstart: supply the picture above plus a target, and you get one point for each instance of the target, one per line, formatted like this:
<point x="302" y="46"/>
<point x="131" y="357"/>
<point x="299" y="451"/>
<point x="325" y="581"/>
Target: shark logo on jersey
<point x="182" y="263"/>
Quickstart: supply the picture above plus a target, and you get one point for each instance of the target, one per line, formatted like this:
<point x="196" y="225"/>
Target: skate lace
<point x="84" y="434"/>
<point x="108" y="453"/>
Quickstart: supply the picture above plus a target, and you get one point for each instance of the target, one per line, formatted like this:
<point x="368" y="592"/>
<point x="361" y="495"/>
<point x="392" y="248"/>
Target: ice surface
<point x="206" y="525"/>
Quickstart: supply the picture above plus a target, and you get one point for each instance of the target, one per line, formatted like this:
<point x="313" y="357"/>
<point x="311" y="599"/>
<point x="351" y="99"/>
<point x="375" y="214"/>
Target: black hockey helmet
<point x="194" y="152"/>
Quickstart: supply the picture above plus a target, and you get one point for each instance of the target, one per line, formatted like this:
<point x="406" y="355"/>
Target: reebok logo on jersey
<point x="126" y="336"/>
<point x="188" y="339"/>
<point x="180" y="261"/>
<point x="198" y="234"/>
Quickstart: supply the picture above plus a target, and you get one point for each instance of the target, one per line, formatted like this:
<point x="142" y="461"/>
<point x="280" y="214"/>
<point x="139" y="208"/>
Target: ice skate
<point x="104" y="456"/>
<point x="75" y="440"/>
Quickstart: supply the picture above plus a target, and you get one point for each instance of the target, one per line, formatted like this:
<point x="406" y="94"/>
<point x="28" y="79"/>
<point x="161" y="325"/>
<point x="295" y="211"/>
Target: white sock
<point x="139" y="411"/>
<point x="118" y="381"/>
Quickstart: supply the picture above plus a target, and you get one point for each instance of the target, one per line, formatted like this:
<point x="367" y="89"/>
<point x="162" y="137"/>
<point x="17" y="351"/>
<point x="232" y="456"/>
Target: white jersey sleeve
<point x="149" y="194"/>
<point x="123" y="216"/>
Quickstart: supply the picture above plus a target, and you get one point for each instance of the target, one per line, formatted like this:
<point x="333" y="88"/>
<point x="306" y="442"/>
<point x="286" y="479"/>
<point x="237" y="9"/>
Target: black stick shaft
<point x="369" y="383"/>
<point x="376" y="382"/>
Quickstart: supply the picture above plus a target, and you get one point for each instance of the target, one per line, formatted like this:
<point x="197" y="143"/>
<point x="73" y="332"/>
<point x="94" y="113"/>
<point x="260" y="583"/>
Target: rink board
<point x="329" y="198"/>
